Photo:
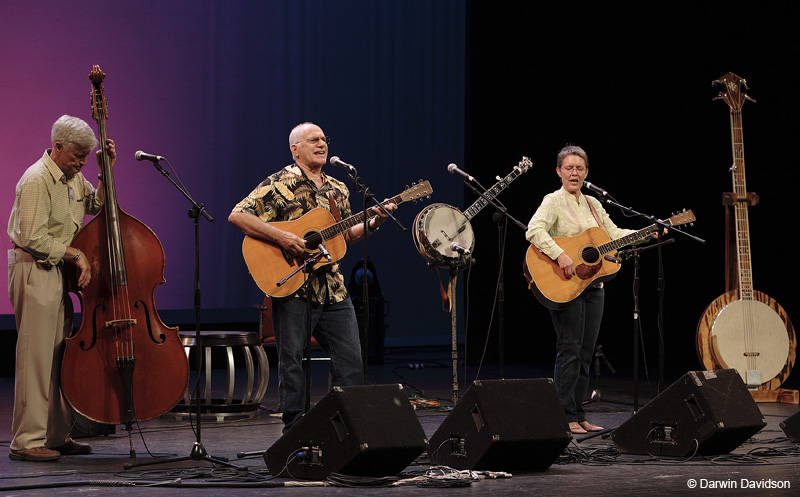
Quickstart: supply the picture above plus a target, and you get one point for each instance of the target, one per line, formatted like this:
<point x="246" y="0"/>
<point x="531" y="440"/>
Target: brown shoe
<point x="40" y="454"/>
<point x="576" y="428"/>
<point x="590" y="427"/>
<point x="73" y="448"/>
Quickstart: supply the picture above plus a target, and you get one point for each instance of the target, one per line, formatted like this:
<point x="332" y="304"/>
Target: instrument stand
<point x="464" y="261"/>
<point x="454" y="332"/>
<point x="366" y="197"/>
<point x="198" y="451"/>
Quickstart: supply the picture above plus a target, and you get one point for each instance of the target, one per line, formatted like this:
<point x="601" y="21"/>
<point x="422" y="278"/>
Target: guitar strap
<point x="334" y="209"/>
<point x="596" y="217"/>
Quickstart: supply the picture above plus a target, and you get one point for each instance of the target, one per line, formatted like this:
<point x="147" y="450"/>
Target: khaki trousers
<point x="43" y="312"/>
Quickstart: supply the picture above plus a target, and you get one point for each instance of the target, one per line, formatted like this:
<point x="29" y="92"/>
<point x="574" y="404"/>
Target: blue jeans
<point x="576" y="329"/>
<point x="336" y="330"/>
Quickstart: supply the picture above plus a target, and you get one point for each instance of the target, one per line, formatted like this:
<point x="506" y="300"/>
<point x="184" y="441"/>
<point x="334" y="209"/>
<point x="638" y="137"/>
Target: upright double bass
<point x="124" y="364"/>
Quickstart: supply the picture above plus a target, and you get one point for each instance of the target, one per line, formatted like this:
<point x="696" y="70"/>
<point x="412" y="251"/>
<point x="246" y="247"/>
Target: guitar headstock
<point x="417" y="191"/>
<point x="524" y="165"/>
<point x="732" y="90"/>
<point x="684" y="217"/>
<point x="99" y="104"/>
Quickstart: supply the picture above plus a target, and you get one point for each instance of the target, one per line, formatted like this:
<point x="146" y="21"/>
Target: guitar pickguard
<point x="586" y="272"/>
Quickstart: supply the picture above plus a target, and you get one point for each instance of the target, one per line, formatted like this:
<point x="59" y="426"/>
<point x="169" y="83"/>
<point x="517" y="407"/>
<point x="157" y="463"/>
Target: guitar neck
<point x="491" y="193"/>
<point x="345" y="224"/>
<point x="627" y="240"/>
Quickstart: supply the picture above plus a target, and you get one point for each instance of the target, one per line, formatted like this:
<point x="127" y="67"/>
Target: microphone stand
<point x="366" y="197"/>
<point x="501" y="211"/>
<point x="634" y="253"/>
<point x="198" y="452"/>
<point x="307" y="267"/>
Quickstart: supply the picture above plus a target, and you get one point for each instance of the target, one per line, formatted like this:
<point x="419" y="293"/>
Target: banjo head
<point x="749" y="335"/>
<point x="436" y="227"/>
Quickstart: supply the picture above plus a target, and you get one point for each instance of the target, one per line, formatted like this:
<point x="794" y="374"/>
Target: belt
<point x="17" y="254"/>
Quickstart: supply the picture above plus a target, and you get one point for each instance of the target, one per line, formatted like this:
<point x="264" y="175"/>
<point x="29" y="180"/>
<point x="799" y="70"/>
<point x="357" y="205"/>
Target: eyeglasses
<point x="569" y="169"/>
<point x="316" y="140"/>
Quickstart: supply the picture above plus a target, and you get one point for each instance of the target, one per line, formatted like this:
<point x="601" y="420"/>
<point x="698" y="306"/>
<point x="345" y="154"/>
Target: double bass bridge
<point x="121" y="323"/>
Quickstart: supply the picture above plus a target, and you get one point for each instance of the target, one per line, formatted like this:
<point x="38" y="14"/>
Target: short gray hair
<point x="298" y="132"/>
<point x="75" y="131"/>
<point x="572" y="150"/>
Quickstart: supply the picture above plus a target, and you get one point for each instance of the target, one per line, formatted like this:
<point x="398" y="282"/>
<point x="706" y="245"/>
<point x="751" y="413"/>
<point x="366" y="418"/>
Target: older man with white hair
<point x="52" y="199"/>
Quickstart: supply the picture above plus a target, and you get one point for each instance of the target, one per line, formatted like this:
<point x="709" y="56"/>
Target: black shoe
<point x="73" y="448"/>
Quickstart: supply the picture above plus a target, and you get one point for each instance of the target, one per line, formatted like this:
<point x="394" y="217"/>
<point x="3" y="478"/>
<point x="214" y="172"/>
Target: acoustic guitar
<point x="745" y="329"/>
<point x="546" y="279"/>
<point x="269" y="264"/>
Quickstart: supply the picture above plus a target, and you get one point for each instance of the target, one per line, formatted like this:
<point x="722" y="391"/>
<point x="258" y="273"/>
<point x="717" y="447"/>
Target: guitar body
<point x="747" y="335"/>
<point x="268" y="263"/>
<point x="547" y="280"/>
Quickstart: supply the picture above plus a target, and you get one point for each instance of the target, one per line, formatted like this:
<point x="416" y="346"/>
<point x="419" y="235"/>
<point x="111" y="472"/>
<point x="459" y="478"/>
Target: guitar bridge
<point x="289" y="259"/>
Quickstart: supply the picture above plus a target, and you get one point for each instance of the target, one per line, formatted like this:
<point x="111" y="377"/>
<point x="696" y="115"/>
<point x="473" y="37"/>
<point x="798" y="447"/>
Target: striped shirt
<point x="49" y="210"/>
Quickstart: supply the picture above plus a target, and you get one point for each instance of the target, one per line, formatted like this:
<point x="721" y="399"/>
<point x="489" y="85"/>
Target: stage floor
<point x="764" y="464"/>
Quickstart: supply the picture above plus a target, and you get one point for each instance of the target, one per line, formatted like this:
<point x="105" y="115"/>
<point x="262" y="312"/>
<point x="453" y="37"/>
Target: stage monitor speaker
<point x="791" y="426"/>
<point x="503" y="425"/>
<point x="367" y="430"/>
<point x="704" y="412"/>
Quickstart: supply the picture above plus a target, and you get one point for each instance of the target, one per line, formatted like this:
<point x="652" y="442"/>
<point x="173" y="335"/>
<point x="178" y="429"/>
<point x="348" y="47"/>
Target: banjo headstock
<point x="732" y="90"/>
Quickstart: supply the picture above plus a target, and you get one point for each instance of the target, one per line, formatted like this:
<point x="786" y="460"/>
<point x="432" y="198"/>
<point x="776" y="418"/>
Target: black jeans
<point x="576" y="329"/>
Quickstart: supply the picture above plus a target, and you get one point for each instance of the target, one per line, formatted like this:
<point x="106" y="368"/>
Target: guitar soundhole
<point x="590" y="255"/>
<point x="313" y="240"/>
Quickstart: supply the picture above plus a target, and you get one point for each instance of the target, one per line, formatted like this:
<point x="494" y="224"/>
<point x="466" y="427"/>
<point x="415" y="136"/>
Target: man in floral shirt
<point x="285" y="196"/>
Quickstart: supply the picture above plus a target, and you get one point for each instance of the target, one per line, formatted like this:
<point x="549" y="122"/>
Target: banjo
<point x="438" y="226"/>
<point x="745" y="329"/>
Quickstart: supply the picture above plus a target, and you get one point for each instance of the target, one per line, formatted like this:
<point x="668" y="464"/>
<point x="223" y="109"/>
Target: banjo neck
<point x="498" y="187"/>
<point x="735" y="98"/>
<point x="742" y="221"/>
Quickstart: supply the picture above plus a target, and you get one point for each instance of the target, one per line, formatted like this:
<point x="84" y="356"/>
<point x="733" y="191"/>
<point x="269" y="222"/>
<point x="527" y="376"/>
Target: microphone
<point x="336" y="161"/>
<point x="456" y="247"/>
<point x="324" y="252"/>
<point x="595" y="188"/>
<point x="139" y="155"/>
<point x="452" y="168"/>
<point x="611" y="258"/>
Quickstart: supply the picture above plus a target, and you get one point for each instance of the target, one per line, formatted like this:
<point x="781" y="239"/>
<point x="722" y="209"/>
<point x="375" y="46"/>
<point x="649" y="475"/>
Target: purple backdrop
<point x="215" y="87"/>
